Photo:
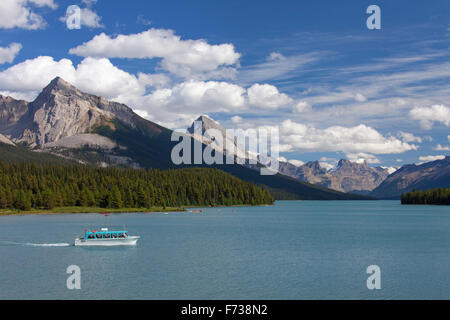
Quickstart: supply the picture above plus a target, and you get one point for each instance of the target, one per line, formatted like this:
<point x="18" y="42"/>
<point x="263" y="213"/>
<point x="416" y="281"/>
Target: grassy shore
<point x="67" y="210"/>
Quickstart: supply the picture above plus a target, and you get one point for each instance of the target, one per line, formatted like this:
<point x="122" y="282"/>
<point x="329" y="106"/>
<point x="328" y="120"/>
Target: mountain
<point x="429" y="175"/>
<point x="5" y="140"/>
<point x="347" y="176"/>
<point x="230" y="144"/>
<point x="89" y="129"/>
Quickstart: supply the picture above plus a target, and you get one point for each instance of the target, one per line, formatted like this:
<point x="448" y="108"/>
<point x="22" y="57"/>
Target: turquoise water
<point x="292" y="250"/>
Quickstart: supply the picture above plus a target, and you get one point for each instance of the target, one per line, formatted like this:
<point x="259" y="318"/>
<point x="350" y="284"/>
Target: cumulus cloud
<point x="8" y="54"/>
<point x="89" y="18"/>
<point x="428" y="115"/>
<point x="301" y="106"/>
<point x="181" y="57"/>
<point x="156" y="80"/>
<point x="409" y="137"/>
<point x="44" y="3"/>
<point x="326" y="165"/>
<point x="360" y="97"/>
<point x="267" y="96"/>
<point x="358" y="139"/>
<point x="275" y="56"/>
<point x="20" y="14"/>
<point x="425" y="159"/>
<point x="195" y="97"/>
<point x="362" y="157"/>
<point x="296" y="163"/>
<point x="96" y="76"/>
<point x="89" y="2"/>
<point x="236" y="119"/>
<point x="440" y="147"/>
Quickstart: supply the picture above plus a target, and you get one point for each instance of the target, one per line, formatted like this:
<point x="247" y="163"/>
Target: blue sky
<point x="334" y="88"/>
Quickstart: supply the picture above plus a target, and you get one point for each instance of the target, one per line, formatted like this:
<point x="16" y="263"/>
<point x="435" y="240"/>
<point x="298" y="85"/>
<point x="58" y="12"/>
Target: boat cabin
<point x="105" y="234"/>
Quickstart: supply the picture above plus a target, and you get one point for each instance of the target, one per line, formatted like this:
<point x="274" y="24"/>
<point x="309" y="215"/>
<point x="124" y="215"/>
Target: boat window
<point x="126" y="235"/>
<point x="121" y="235"/>
<point x="99" y="236"/>
<point x="91" y="236"/>
<point x="107" y="235"/>
<point x="114" y="235"/>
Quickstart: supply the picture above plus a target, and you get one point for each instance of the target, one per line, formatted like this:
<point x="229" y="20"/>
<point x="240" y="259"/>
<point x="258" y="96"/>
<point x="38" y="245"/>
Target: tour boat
<point x="104" y="237"/>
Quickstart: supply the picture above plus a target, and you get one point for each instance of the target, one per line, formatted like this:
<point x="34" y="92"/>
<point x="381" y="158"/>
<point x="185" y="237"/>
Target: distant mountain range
<point x="347" y="176"/>
<point x="429" y="175"/>
<point x="80" y="127"/>
<point x="91" y="130"/>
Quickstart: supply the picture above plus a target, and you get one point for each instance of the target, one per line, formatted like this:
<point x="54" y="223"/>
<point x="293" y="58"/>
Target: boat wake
<point x="12" y="243"/>
<point x="48" y="244"/>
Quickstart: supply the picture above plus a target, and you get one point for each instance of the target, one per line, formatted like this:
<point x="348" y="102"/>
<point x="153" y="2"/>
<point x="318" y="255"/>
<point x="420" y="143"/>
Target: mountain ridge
<point x="430" y="175"/>
<point x="61" y="111"/>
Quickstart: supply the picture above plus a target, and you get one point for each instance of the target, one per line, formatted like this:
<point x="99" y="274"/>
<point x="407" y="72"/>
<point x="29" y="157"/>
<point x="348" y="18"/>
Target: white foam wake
<point x="13" y="243"/>
<point x="48" y="244"/>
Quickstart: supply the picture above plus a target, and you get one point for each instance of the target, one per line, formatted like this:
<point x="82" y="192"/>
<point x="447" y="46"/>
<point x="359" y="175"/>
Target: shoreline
<point x="87" y="210"/>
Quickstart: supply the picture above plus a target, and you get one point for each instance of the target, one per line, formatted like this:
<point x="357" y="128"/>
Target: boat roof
<point x="105" y="231"/>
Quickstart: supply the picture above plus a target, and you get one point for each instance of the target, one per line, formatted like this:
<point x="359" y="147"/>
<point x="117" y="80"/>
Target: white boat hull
<point x="129" y="241"/>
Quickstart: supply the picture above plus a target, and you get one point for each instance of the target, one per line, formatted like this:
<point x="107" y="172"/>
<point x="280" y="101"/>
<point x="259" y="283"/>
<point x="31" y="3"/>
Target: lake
<point x="292" y="250"/>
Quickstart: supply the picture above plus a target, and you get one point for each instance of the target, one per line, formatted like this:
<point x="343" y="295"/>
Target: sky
<point x="334" y="88"/>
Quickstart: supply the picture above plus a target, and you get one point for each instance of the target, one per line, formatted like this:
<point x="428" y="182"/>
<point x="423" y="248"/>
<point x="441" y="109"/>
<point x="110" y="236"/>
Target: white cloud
<point x="358" y="139"/>
<point x="89" y="2"/>
<point x="428" y="115"/>
<point x="277" y="66"/>
<point x="360" y="97"/>
<point x="425" y="159"/>
<point x="19" y="14"/>
<point x="409" y="137"/>
<point x="275" y="56"/>
<point x="440" y="147"/>
<point x="296" y="163"/>
<point x="156" y="80"/>
<point x="44" y="3"/>
<point x="144" y="114"/>
<point x="89" y="18"/>
<point x="180" y="57"/>
<point x="327" y="166"/>
<point x="362" y="157"/>
<point x="301" y="106"/>
<point x="236" y="119"/>
<point x="96" y="76"/>
<point x="391" y="170"/>
<point x="8" y="54"/>
<point x="195" y="97"/>
<point x="267" y="96"/>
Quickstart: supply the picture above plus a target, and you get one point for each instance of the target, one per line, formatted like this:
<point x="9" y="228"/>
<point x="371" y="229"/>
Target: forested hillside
<point x="26" y="186"/>
<point x="440" y="196"/>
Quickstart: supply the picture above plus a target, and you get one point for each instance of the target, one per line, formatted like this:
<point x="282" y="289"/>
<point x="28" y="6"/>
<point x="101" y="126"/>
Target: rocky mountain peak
<point x="58" y="86"/>
<point x="207" y="123"/>
<point x="314" y="165"/>
<point x="60" y="110"/>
